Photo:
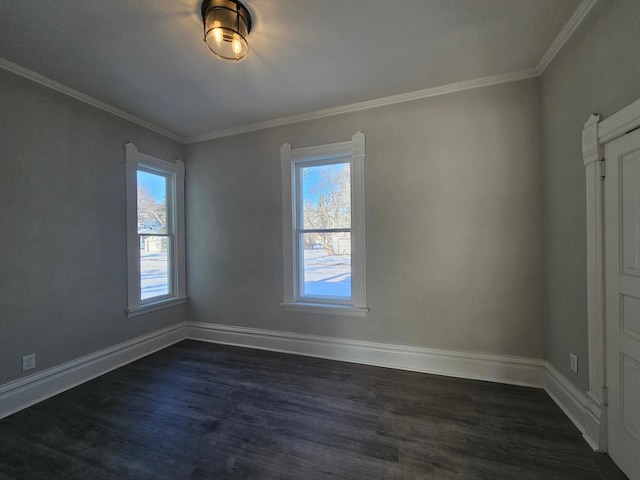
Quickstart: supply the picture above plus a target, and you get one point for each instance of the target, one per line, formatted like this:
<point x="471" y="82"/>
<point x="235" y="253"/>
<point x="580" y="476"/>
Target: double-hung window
<point x="324" y="227"/>
<point x="155" y="232"/>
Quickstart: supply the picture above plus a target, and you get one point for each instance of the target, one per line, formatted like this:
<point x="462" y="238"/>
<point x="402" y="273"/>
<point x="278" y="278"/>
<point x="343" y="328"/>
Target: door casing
<point x="595" y="135"/>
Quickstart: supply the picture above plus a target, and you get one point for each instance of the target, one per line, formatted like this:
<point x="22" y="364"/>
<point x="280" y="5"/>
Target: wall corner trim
<point x="494" y="368"/>
<point x="582" y="410"/>
<point x="27" y="391"/>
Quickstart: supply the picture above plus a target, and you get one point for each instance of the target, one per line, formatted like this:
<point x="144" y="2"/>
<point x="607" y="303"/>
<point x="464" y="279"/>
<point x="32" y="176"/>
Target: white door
<point x="622" y="263"/>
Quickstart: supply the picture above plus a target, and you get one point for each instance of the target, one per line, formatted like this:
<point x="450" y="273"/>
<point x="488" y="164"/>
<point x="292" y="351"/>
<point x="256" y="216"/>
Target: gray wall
<point x="62" y="227"/>
<point x="453" y="215"/>
<point x="598" y="70"/>
<point x="453" y="224"/>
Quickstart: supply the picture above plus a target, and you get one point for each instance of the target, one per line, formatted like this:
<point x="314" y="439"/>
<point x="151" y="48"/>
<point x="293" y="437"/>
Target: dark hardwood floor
<point x="204" y="411"/>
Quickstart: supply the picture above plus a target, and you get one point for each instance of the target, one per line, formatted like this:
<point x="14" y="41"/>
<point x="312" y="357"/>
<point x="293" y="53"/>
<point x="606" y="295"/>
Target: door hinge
<point x="602" y="169"/>
<point x="605" y="395"/>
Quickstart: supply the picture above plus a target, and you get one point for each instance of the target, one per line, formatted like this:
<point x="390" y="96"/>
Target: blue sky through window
<point x="312" y="178"/>
<point x="154" y="184"/>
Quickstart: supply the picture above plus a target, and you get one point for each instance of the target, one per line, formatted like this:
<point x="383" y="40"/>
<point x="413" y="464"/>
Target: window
<point x="155" y="232"/>
<point x="324" y="229"/>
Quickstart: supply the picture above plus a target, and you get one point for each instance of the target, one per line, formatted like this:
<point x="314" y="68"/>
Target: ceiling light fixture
<point x="226" y="26"/>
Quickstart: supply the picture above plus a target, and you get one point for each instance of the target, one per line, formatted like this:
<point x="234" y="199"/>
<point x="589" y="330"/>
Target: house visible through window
<point x="155" y="232"/>
<point x="323" y="207"/>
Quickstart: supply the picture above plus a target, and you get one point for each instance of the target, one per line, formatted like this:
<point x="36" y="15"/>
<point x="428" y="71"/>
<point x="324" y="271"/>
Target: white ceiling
<point x="147" y="57"/>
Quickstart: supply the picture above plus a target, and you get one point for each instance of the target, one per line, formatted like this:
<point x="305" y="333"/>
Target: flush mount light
<point x="226" y="26"/>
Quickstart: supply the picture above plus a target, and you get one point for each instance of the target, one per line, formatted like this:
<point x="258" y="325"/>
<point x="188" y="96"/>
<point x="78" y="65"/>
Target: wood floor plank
<point x="205" y="411"/>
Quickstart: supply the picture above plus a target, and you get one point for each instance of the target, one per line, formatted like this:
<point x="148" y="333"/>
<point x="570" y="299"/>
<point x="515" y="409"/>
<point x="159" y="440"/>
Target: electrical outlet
<point x="28" y="362"/>
<point x="574" y="362"/>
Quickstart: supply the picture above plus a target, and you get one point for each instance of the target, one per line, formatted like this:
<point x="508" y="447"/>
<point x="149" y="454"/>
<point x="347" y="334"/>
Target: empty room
<point x="276" y="239"/>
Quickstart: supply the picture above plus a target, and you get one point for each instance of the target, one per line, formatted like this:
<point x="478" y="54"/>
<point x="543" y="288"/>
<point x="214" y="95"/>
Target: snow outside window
<point x="324" y="245"/>
<point x="155" y="232"/>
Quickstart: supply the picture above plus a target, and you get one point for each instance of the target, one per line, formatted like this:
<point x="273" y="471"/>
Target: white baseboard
<point x="583" y="412"/>
<point x="494" y="368"/>
<point x="22" y="393"/>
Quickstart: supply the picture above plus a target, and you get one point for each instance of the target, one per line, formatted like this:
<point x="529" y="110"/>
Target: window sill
<point x="152" y="307"/>
<point x="326" y="309"/>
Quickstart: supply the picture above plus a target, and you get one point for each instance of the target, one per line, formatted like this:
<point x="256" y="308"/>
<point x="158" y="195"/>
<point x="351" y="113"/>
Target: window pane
<point x="326" y="196"/>
<point x="326" y="269"/>
<point x="152" y="202"/>
<point x="154" y="266"/>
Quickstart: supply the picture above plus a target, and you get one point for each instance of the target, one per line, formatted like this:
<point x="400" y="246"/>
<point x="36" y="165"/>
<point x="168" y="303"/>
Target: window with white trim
<point x="324" y="227"/>
<point x="155" y="232"/>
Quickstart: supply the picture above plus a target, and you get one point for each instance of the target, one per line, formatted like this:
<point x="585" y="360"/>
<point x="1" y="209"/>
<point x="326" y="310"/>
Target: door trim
<point x="595" y="135"/>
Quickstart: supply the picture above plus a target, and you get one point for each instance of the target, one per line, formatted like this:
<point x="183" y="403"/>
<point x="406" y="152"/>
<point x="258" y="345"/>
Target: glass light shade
<point x="226" y="26"/>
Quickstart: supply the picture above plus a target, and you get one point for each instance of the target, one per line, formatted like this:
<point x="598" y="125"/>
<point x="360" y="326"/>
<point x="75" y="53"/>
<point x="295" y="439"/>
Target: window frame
<point x="175" y="173"/>
<point x="292" y="161"/>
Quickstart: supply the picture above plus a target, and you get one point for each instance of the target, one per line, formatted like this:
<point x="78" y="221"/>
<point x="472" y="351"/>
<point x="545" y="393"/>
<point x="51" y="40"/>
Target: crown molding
<point x="47" y="82"/>
<point x="572" y="24"/>
<point x="228" y="132"/>
<point x="357" y="107"/>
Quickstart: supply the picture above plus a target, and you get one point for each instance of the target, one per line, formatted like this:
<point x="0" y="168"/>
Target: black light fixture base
<point x="233" y="5"/>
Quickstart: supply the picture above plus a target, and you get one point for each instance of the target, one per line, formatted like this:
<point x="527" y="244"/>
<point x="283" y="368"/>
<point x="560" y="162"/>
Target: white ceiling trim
<point x="379" y="102"/>
<point x="576" y="19"/>
<point x="47" y="82"/>
<point x="572" y="24"/>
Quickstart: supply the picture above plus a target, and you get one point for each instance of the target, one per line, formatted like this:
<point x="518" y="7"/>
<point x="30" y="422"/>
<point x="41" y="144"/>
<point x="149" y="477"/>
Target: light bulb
<point x="217" y="32"/>
<point x="236" y="45"/>
<point x="217" y="35"/>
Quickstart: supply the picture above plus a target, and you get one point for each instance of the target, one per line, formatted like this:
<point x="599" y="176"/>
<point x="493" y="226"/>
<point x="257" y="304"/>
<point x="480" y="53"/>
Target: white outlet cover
<point x="573" y="358"/>
<point x="28" y="362"/>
